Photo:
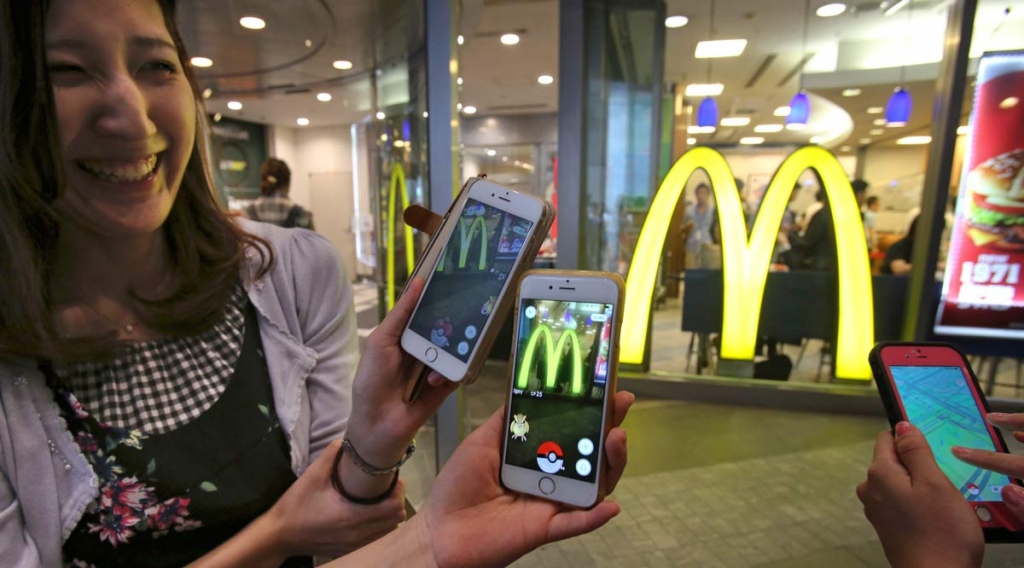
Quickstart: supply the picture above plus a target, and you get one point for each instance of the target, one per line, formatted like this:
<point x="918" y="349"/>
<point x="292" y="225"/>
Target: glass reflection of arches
<point x="397" y="189"/>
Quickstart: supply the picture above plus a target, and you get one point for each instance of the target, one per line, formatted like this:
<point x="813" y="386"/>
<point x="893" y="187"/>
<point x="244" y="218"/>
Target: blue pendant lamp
<point x="897" y="110"/>
<point x="707" y="113"/>
<point x="799" y="111"/>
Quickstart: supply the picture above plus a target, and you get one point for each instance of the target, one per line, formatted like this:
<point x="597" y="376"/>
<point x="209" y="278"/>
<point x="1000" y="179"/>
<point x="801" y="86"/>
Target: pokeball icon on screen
<point x="549" y="457"/>
<point x="973" y="489"/>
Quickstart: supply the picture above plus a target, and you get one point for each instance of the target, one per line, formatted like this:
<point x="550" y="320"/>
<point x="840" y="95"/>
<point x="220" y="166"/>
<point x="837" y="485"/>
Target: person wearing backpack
<point x="273" y="205"/>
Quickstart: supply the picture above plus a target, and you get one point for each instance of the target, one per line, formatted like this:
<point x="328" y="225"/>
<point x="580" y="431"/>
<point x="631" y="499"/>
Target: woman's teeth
<point x="121" y="171"/>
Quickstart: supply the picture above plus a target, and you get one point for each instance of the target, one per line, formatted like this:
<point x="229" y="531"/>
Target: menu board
<point x="982" y="293"/>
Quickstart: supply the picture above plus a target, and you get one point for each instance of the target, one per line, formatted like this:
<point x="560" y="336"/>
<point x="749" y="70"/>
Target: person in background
<point x="698" y="222"/>
<point x="860" y="192"/>
<point x="898" y="257"/>
<point x="820" y="237"/>
<point x="870" y="213"/>
<point x="273" y="205"/>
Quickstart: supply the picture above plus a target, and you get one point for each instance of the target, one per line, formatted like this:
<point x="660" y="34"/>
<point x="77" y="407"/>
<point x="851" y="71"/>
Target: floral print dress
<point x="170" y="498"/>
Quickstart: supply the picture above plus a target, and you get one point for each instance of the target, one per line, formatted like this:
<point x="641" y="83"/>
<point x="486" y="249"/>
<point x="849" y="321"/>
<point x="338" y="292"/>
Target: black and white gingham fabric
<point x="160" y="385"/>
<point x="275" y="209"/>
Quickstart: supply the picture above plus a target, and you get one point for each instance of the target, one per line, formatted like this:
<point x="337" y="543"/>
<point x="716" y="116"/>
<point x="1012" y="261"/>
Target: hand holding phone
<point x="561" y="386"/>
<point x="933" y="387"/>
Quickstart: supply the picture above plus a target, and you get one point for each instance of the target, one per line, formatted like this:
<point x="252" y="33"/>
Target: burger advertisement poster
<point x="982" y="293"/>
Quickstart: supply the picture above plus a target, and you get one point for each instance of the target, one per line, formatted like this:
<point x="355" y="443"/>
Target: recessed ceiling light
<point x="962" y="130"/>
<point x="734" y="121"/>
<point x="458" y="80"/>
<point x="878" y="122"/>
<point x="844" y="149"/>
<point x="469" y="109"/>
<point x="309" y="43"/>
<point x="768" y="128"/>
<point x="700" y="129"/>
<point x="425" y="114"/>
<point x="751" y="140"/>
<point x="691" y="141"/>
<point x="864" y="141"/>
<point x="234" y="105"/>
<point x="217" y="117"/>
<point x="877" y="131"/>
<point x="342" y="64"/>
<point x="914" y="140"/>
<point x="1009" y="102"/>
<point x="398" y="143"/>
<point x="491" y="152"/>
<point x="704" y="89"/>
<point x="851" y="92"/>
<point x="207" y="93"/>
<point x="383" y="137"/>
<point x="720" y="48"/>
<point x="252" y="23"/>
<point x="324" y="97"/>
<point x="876" y="110"/>
<point x="460" y="39"/>
<point x="816" y="139"/>
<point x="896" y="7"/>
<point x="796" y="126"/>
<point x="509" y="39"/>
<point x="381" y="115"/>
<point x="504" y="158"/>
<point x="676" y="21"/>
<point x="201" y="62"/>
<point x="545" y="79"/>
<point x="781" y="111"/>
<point x="302" y="121"/>
<point x="458" y="106"/>
<point x="830" y="10"/>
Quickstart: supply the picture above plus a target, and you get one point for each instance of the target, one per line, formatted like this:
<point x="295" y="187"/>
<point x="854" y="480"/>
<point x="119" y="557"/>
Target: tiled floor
<point x="718" y="486"/>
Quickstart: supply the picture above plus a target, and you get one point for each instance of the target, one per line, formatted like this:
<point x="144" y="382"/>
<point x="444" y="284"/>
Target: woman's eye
<point x="65" y="68"/>
<point x="161" y="67"/>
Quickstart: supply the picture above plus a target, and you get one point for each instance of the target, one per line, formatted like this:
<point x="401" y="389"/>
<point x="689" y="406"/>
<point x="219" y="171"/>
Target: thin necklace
<point x="127" y="327"/>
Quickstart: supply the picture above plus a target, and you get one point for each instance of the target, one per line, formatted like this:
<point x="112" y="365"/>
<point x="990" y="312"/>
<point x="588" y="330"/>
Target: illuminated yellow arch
<point x="553" y="360"/>
<point x="745" y="262"/>
<point x="465" y="238"/>
<point x="397" y="180"/>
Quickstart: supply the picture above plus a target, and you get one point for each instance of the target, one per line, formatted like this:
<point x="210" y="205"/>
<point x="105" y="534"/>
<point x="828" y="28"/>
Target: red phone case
<point x="1001" y="525"/>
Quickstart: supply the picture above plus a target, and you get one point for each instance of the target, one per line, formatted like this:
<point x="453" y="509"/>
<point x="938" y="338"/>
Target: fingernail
<point x="997" y="415"/>
<point x="961" y="452"/>
<point x="1015" y="495"/>
<point x="904" y="428"/>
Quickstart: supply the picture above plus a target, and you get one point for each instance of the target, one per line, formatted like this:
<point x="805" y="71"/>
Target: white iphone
<point x="486" y="244"/>
<point x="564" y="362"/>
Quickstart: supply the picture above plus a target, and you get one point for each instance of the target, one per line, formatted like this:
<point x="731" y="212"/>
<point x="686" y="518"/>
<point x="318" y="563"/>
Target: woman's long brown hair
<point x="206" y="248"/>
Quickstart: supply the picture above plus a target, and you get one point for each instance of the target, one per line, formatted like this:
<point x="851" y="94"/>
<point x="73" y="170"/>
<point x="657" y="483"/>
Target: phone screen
<point x="939" y="401"/>
<point x="470" y="274"/>
<point x="561" y="372"/>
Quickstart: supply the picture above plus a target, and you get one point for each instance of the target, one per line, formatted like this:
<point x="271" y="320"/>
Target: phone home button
<point x="430" y="354"/>
<point x="984" y="515"/>
<point x="546" y="485"/>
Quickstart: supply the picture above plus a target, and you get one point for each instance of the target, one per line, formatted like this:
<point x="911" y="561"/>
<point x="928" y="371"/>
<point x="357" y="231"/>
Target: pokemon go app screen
<point x="558" y="389"/>
<point x="939" y="401"/>
<point x="470" y="274"/>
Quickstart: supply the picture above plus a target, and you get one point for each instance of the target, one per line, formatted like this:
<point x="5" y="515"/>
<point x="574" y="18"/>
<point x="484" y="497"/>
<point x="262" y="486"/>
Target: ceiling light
<point x="302" y="121"/>
<point x="830" y="10"/>
<point x="217" y="117"/>
<point x="851" y="92"/>
<point x="768" y="128"/>
<point x="816" y="139"/>
<point x="1009" y="102"/>
<point x="509" y="39"/>
<point x="896" y="7"/>
<point x="309" y="43"/>
<point x="799" y="111"/>
<point x="469" y="109"/>
<point x="782" y="111"/>
<point x="876" y="110"/>
<point x="425" y="114"/>
<point x="877" y="131"/>
<point x="252" y="23"/>
<point x="381" y="115"/>
<point x="491" y="152"/>
<point x="545" y="79"/>
<point x="676" y="21"/>
<point x="735" y="121"/>
<point x="864" y="141"/>
<point x="691" y="141"/>
<point x="897" y="110"/>
<point x="342" y="64"/>
<point x="460" y="39"/>
<point x="707" y="113"/>
<point x="751" y="140"/>
<point x="383" y="137"/>
<point x="398" y="143"/>
<point x="201" y="62"/>
<point x="704" y="89"/>
<point x="323" y="97"/>
<point x="844" y="149"/>
<point x="504" y="158"/>
<point x="458" y="106"/>
<point x="796" y="126"/>
<point x="962" y="130"/>
<point x="458" y="80"/>
<point x="878" y="122"/>
<point x="914" y="140"/>
<point x="700" y="129"/>
<point x="720" y="48"/>
<point x="235" y="105"/>
<point x="207" y="93"/>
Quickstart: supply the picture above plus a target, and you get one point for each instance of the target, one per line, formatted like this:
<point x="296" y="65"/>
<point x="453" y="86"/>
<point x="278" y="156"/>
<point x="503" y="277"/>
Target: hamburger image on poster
<point x="995" y="214"/>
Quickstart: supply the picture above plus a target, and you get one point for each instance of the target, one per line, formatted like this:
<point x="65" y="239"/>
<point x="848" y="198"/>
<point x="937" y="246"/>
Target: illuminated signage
<point x="553" y="359"/>
<point x="746" y="260"/>
<point x="397" y="180"/>
<point x="466" y="238"/>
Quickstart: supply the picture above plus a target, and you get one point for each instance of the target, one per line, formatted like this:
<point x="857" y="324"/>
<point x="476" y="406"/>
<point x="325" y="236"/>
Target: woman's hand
<point x="920" y="518"/>
<point x="1006" y="464"/>
<point x="472" y="521"/>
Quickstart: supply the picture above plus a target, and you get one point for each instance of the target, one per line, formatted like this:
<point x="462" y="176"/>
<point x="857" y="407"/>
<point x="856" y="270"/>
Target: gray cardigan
<point x="307" y="325"/>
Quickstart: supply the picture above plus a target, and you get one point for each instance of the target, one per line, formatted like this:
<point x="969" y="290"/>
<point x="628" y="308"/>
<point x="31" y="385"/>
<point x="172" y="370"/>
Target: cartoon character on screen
<point x="488" y="306"/>
<point x="442" y="331"/>
<point x="520" y="427"/>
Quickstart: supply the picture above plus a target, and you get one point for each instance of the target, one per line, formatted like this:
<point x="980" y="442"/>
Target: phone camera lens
<point x="551" y="287"/>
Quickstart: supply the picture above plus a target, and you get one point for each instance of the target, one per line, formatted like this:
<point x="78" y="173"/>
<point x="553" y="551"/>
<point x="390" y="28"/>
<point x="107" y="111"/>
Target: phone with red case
<point x="932" y="386"/>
